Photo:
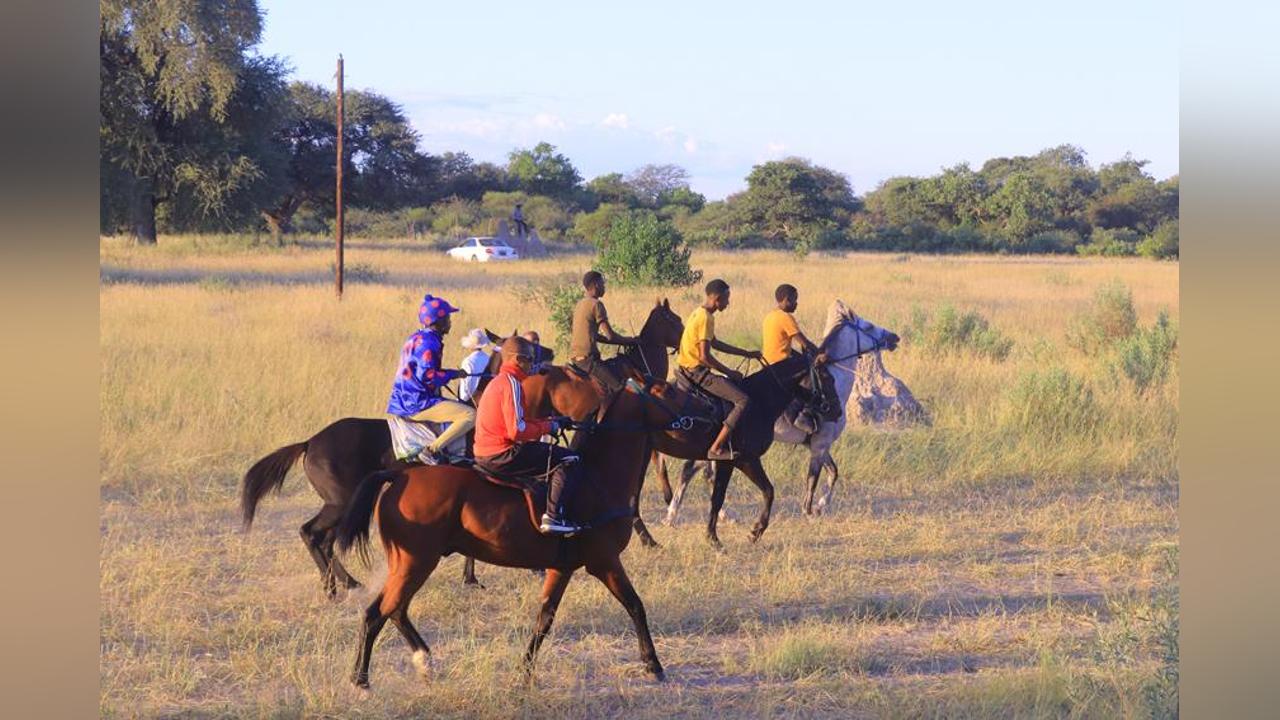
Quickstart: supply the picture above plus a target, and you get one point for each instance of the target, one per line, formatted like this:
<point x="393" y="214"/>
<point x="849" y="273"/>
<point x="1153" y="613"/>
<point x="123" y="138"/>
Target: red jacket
<point x="500" y="420"/>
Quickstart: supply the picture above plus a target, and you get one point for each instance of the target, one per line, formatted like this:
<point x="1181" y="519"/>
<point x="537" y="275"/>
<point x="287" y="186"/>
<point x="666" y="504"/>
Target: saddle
<point x="713" y="408"/>
<point x="535" y="493"/>
<point x="410" y="437"/>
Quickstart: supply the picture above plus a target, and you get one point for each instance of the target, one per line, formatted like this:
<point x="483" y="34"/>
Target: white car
<point x="483" y="249"/>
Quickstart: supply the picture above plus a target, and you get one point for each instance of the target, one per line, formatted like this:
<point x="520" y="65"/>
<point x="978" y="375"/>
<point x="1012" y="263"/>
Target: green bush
<point x="558" y="296"/>
<point x="593" y="227"/>
<point x="953" y="331"/>
<point x="641" y="249"/>
<point x="1146" y="356"/>
<point x="1109" y="319"/>
<point x="1110" y="242"/>
<point x="1163" y="243"/>
<point x="1053" y="402"/>
<point x="1052" y="241"/>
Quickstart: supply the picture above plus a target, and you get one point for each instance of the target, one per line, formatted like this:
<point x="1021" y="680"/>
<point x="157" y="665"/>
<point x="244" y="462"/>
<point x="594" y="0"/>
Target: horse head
<point x="847" y="335"/>
<point x="663" y="326"/>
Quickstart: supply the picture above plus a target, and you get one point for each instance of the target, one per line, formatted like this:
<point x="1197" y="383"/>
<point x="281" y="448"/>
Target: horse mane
<point x="837" y="313"/>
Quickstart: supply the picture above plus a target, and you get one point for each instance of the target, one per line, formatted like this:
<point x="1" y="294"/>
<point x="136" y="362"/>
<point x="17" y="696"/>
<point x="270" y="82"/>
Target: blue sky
<point x="871" y="90"/>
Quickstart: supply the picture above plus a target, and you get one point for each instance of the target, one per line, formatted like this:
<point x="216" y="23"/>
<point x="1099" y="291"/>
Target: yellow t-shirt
<point x="699" y="326"/>
<point x="779" y="327"/>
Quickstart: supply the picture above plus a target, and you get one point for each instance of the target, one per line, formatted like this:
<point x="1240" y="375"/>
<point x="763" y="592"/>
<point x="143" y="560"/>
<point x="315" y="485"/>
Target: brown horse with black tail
<point x="427" y="513"/>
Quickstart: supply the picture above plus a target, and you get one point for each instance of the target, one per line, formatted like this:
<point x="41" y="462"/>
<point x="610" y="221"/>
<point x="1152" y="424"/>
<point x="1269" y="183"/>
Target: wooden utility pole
<point x="341" y="225"/>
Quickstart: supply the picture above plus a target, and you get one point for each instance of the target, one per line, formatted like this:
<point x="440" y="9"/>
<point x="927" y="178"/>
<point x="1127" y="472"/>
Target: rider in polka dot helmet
<point x="434" y="308"/>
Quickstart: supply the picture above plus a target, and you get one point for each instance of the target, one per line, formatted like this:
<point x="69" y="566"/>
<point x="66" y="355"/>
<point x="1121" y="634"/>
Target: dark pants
<point x="522" y="228"/>
<point x="602" y="373"/>
<point x="722" y="387"/>
<point x="528" y="461"/>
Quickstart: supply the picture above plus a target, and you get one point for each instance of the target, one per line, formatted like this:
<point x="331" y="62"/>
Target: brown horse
<point x="335" y="460"/>
<point x="430" y="512"/>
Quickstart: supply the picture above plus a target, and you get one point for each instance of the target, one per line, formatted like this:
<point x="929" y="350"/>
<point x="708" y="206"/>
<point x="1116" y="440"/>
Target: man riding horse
<point x="507" y="441"/>
<point x="591" y="327"/>
<point x="415" y="392"/>
<point x="779" y="338"/>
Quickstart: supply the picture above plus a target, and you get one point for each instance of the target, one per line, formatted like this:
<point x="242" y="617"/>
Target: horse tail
<point x="353" y="529"/>
<point x="266" y="475"/>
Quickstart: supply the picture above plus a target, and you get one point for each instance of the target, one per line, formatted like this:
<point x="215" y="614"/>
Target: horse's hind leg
<point x="615" y="578"/>
<point x="403" y="580"/>
<point x="314" y="536"/>
<point x="756" y="474"/>
<point x="326" y="526"/>
<point x="552" y="592"/>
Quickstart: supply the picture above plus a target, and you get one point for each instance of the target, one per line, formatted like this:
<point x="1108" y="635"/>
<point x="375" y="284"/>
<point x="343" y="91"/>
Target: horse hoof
<point x="361" y="684"/>
<point x="658" y="674"/>
<point x="422" y="664"/>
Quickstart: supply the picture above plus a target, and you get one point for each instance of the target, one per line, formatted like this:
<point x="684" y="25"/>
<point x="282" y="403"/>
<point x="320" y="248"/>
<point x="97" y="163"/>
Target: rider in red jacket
<point x="507" y="443"/>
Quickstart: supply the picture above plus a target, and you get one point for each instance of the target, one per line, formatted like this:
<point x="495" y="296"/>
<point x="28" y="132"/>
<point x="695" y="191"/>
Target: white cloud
<point x="547" y="121"/>
<point x="616" y="120"/>
<point x="690" y="145"/>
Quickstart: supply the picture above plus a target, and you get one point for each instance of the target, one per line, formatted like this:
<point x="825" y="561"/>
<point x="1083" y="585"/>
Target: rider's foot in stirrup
<point x="552" y="525"/>
<point x="805" y="422"/>
<point x="435" y="457"/>
<point x="721" y="454"/>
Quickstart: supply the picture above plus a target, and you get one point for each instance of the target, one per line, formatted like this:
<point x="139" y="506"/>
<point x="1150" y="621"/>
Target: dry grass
<point x="977" y="567"/>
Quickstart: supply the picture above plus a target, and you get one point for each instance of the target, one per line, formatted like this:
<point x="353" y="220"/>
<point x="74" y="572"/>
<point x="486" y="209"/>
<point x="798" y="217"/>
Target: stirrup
<point x="555" y="526"/>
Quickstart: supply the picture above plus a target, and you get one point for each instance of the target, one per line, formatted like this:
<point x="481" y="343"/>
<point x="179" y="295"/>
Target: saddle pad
<point x="409" y="438"/>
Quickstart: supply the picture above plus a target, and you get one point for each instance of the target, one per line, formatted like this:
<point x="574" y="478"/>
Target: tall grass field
<point x="1016" y="557"/>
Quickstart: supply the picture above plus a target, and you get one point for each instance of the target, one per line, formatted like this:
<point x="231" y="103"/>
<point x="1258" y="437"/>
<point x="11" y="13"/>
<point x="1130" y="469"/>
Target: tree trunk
<point x="277" y="224"/>
<point x="143" y="216"/>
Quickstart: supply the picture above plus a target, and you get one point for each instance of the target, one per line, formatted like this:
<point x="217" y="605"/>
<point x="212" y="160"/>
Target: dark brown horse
<point x="335" y="460"/>
<point x="430" y="512"/>
<point x="771" y="389"/>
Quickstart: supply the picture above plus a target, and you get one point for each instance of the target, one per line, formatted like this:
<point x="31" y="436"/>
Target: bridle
<point x="859" y="348"/>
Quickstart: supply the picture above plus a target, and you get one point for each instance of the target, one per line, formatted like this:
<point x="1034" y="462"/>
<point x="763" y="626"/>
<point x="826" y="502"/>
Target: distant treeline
<point x="212" y="137"/>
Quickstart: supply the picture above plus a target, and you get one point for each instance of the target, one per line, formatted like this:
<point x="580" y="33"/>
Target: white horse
<point x="845" y="337"/>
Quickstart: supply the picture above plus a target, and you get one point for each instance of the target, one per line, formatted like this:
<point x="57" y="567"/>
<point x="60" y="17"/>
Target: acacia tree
<point x="383" y="161"/>
<point x="170" y="72"/>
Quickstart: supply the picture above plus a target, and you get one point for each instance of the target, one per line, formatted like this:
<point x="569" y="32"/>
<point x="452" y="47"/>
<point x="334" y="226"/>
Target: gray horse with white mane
<point x="845" y="337"/>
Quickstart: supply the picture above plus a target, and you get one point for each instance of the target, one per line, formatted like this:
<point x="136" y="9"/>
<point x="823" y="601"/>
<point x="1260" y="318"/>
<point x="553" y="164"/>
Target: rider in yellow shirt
<point x="781" y="335"/>
<point x="695" y="363"/>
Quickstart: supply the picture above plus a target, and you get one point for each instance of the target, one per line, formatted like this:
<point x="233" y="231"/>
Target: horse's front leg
<point x="829" y="462"/>
<point x="756" y="474"/>
<point x="663" y="479"/>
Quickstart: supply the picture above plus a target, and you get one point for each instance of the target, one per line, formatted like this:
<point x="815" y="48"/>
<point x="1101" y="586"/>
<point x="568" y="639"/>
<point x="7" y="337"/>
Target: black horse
<point x="771" y="390"/>
<point x="335" y="460"/>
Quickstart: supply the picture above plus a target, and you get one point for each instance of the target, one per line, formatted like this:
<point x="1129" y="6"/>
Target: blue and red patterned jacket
<point x="419" y="378"/>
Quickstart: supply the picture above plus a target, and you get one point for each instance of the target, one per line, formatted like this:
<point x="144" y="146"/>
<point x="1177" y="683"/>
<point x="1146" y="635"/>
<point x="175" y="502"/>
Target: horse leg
<point x="830" y="464"/>
<point x="552" y="592"/>
<point x="403" y="580"/>
<point x="469" y="574"/>
<point x="687" y="470"/>
<point x="661" y="464"/>
<point x="314" y="539"/>
<point x="642" y="532"/>
<point x="723" y="471"/>
<point x="615" y="578"/>
<point x="756" y="474"/>
<point x="325" y="527"/>
<point x="815" y="471"/>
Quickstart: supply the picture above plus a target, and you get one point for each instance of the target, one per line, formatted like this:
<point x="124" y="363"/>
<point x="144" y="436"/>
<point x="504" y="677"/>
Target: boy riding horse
<point x="415" y="392"/>
<point x="780" y="336"/>
<point x="695" y="362"/>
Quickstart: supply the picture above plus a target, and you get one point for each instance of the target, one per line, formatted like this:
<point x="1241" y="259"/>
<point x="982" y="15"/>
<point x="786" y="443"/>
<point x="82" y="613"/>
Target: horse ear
<point x="493" y="337"/>
<point x="666" y="303"/>
<point x="657" y="302"/>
